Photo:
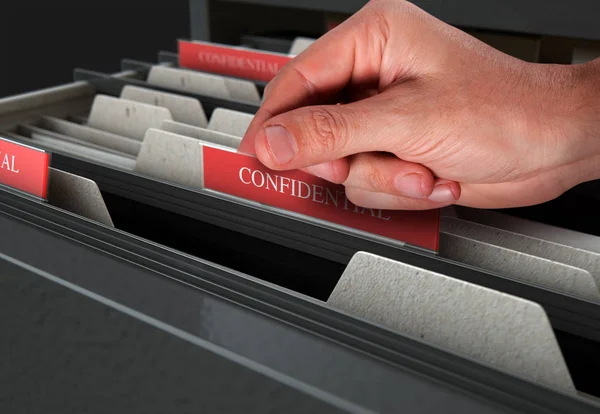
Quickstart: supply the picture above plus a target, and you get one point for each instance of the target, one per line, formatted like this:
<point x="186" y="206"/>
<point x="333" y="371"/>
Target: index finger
<point x="350" y="53"/>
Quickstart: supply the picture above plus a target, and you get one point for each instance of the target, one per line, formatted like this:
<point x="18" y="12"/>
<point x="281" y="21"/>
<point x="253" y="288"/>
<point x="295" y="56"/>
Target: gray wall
<point x="42" y="41"/>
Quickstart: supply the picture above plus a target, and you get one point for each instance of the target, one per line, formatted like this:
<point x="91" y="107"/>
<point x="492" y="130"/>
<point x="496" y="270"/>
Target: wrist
<point x="584" y="107"/>
<point x="568" y="120"/>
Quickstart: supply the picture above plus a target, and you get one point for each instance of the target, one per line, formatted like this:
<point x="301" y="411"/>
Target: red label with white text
<point x="230" y="61"/>
<point x="24" y="168"/>
<point x="246" y="177"/>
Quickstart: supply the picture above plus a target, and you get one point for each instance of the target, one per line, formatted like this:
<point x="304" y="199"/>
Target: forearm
<point x="562" y="113"/>
<point x="585" y="119"/>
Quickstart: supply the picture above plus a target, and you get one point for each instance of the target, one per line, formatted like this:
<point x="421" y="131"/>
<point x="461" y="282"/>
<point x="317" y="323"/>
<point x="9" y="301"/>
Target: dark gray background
<point x="42" y="41"/>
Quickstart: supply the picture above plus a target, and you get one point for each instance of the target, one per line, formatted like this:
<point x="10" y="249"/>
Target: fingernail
<point x="324" y="171"/>
<point x="443" y="193"/>
<point x="410" y="185"/>
<point x="281" y="143"/>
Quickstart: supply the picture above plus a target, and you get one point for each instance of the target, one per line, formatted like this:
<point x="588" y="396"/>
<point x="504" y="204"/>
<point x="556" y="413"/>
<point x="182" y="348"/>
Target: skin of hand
<point x="409" y="113"/>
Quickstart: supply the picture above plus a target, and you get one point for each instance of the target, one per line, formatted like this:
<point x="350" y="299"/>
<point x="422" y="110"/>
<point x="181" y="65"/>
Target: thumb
<point x="315" y="135"/>
<point x="348" y="56"/>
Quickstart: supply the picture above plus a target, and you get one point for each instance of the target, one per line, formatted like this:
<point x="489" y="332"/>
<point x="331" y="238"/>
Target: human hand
<point x="429" y="117"/>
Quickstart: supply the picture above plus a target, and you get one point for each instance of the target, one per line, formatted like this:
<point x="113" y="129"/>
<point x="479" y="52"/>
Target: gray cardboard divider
<point x="202" y="83"/>
<point x="52" y="144"/>
<point x="77" y="195"/>
<point x="530" y="228"/>
<point x="204" y="134"/>
<point x="189" y="81"/>
<point x="84" y="152"/>
<point x="300" y="44"/>
<point x="183" y="109"/>
<point x="124" y="117"/>
<point x="520" y="266"/>
<point x="93" y="136"/>
<point x="230" y="122"/>
<point x="174" y="158"/>
<point x="243" y="91"/>
<point x="31" y="130"/>
<point x="503" y="331"/>
<point x="572" y="256"/>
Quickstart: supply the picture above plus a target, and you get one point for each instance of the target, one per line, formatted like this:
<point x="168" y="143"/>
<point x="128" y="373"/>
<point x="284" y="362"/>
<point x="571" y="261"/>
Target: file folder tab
<point x="182" y="108"/>
<point x="504" y="331"/>
<point x="244" y="176"/>
<point x="230" y="122"/>
<point x="124" y="117"/>
<point x="78" y="195"/>
<point x="24" y="168"/>
<point x="189" y="81"/>
<point x="171" y="157"/>
<point x="518" y="265"/>
<point x="202" y="134"/>
<point x="300" y="44"/>
<point x="230" y="61"/>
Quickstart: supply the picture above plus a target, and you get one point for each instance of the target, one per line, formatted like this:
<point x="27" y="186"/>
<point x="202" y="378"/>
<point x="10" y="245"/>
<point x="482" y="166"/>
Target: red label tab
<point x="230" y="61"/>
<point x="244" y="176"/>
<point x="24" y="168"/>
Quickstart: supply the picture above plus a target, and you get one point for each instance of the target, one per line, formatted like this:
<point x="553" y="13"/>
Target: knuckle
<point x="306" y="83"/>
<point x="329" y="130"/>
<point x="379" y="19"/>
<point x="365" y="174"/>
<point x="377" y="180"/>
<point x="354" y="196"/>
